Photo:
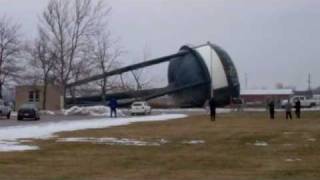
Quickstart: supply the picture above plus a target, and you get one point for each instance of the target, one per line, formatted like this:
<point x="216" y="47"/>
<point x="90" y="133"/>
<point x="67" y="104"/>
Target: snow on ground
<point x="10" y="136"/>
<point x="194" y="142"/>
<point x="312" y="139"/>
<point x="48" y="112"/>
<point x="114" y="141"/>
<point x="91" y="110"/>
<point x="288" y="133"/>
<point x="124" y="141"/>
<point x="261" y="143"/>
<point x="8" y="146"/>
<point x="293" y="159"/>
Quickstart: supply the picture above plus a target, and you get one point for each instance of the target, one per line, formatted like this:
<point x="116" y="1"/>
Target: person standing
<point x="288" y="110"/>
<point x="113" y="104"/>
<point x="212" y="105"/>
<point x="298" y="108"/>
<point x="271" y="109"/>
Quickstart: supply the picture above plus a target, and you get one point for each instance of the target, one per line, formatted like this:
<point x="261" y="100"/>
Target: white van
<point x="305" y="102"/>
<point x="316" y="98"/>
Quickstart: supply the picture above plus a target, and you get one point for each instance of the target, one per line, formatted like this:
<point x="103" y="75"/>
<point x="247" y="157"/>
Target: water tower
<point x="194" y="75"/>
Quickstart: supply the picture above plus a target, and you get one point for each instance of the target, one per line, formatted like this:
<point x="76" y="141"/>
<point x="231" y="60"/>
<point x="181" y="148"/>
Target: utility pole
<point x="246" y="80"/>
<point x="309" y="81"/>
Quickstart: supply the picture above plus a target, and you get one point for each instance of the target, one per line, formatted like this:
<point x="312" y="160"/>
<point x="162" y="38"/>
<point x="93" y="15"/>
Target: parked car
<point x="28" y="111"/>
<point x="5" y="110"/>
<point x="140" y="107"/>
<point x="305" y="102"/>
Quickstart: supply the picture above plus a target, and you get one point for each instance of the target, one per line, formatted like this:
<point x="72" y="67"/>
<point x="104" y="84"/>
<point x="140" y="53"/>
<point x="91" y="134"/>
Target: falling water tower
<point x="194" y="75"/>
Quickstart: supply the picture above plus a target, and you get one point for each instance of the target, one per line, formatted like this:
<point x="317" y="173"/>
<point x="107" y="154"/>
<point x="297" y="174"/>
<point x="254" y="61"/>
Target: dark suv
<point x="28" y="111"/>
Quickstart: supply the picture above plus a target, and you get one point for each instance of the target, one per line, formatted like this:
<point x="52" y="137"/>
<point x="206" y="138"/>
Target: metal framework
<point x="127" y="69"/>
<point x="140" y="94"/>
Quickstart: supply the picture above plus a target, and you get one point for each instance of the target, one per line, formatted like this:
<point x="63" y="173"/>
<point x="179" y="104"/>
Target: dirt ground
<point x="240" y="146"/>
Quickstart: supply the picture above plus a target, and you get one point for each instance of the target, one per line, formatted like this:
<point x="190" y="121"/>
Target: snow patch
<point x="8" y="146"/>
<point x="114" y="141"/>
<point x="261" y="143"/>
<point x="91" y="110"/>
<point x="293" y="159"/>
<point x="194" y="142"/>
<point x="312" y="139"/>
<point x="123" y="141"/>
<point x="288" y="133"/>
<point x="9" y="136"/>
<point x="25" y="141"/>
<point x="48" y="113"/>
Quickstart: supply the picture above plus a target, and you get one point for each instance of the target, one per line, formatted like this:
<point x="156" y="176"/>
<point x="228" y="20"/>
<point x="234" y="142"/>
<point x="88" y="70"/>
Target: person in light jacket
<point x="288" y="110"/>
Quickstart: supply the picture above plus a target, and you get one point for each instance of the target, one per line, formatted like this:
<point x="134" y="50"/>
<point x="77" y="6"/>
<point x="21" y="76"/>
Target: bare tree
<point x="9" y="50"/>
<point x="105" y="55"/>
<point x="43" y="60"/>
<point x="139" y="75"/>
<point x="68" y="24"/>
<point x="124" y="85"/>
<point x="82" y="69"/>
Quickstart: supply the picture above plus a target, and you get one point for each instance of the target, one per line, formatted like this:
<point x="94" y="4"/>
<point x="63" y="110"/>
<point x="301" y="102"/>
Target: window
<point x="37" y="95"/>
<point x="34" y="96"/>
<point x="31" y="97"/>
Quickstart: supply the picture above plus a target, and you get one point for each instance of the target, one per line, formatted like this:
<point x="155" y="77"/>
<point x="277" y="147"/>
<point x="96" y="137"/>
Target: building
<point x="26" y="94"/>
<point x="259" y="97"/>
<point x="307" y="93"/>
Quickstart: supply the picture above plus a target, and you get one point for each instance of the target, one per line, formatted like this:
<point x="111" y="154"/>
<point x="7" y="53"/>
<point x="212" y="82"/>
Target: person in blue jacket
<point x="113" y="104"/>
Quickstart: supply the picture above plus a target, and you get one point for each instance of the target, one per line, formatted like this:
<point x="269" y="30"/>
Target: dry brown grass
<point x="228" y="153"/>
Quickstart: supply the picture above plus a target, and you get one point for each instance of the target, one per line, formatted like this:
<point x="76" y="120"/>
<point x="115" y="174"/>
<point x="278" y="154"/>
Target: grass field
<point x="290" y="150"/>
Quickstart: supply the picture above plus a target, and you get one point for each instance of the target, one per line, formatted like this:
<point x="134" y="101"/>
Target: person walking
<point x="298" y="108"/>
<point x="212" y="105"/>
<point x="113" y="104"/>
<point x="288" y="110"/>
<point x="271" y="109"/>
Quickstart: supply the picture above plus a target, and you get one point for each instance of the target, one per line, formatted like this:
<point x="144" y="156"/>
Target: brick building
<point x="34" y="94"/>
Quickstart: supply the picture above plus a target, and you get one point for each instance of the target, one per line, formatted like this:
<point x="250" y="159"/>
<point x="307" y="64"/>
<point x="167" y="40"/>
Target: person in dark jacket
<point x="113" y="104"/>
<point x="298" y="108"/>
<point x="212" y="105"/>
<point x="271" y="109"/>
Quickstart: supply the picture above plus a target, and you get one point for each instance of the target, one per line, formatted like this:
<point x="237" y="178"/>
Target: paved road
<point x="44" y="119"/>
<point x="56" y="118"/>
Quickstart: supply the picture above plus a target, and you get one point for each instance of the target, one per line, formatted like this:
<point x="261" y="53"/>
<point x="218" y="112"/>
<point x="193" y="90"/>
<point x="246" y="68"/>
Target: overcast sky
<point x="272" y="41"/>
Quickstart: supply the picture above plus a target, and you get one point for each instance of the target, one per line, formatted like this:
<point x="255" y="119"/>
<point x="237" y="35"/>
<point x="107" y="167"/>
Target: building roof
<point x="266" y="92"/>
